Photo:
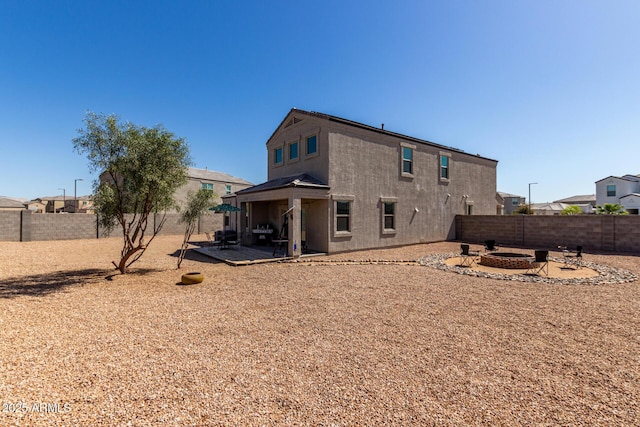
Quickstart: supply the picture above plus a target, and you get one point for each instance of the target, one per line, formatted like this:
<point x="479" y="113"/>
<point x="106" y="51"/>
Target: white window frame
<point x="384" y="215"/>
<point x="348" y="199"/>
<point x="412" y="147"/>
<point x="446" y="155"/>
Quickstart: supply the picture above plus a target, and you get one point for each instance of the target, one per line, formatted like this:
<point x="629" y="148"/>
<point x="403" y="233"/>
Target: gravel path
<point x="330" y="343"/>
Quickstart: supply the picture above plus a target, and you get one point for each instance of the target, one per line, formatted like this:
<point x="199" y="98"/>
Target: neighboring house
<point x="585" y="202"/>
<point x="624" y="190"/>
<point x="37" y="205"/>
<point x="48" y="204"/>
<point x="548" y="208"/>
<point x="9" y="204"/>
<point x="84" y="204"/>
<point x="345" y="186"/>
<point x="218" y="182"/>
<point x="511" y="202"/>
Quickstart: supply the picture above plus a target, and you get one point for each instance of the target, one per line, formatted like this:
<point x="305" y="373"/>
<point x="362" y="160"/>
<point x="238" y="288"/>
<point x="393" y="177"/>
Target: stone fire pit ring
<point x="510" y="260"/>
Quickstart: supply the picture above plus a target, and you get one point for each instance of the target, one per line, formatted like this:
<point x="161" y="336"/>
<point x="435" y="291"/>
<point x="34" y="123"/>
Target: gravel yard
<point x="327" y="344"/>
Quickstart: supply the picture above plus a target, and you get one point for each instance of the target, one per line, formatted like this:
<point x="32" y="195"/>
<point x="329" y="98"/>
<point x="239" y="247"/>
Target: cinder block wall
<point x="62" y="226"/>
<point x="10" y="226"/>
<point x="619" y="233"/>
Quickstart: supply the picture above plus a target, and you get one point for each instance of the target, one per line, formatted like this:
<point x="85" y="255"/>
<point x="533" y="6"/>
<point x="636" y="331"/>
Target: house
<point x="511" y="202"/>
<point x="585" y="202"/>
<point x="548" y="208"/>
<point x="9" y="204"/>
<point x="624" y="190"/>
<point x="342" y="185"/>
<point x="218" y="182"/>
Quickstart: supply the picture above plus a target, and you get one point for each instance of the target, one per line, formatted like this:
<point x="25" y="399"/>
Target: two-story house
<point x="345" y="186"/>
<point x="624" y="190"/>
<point x="511" y="202"/>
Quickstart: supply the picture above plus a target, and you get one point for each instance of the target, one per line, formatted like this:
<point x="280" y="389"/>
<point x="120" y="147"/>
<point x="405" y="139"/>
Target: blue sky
<point x="548" y="88"/>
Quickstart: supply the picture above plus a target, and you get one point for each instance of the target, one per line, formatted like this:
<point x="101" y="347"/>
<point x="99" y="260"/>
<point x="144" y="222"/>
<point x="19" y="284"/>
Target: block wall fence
<point x="616" y="233"/>
<point x="26" y="226"/>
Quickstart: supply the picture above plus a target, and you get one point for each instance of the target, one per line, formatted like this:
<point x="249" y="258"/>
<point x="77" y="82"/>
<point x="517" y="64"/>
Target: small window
<point x="277" y="155"/>
<point x="611" y="190"/>
<point x="389" y="216"/>
<point x="207" y="186"/>
<point x="312" y="147"/>
<point x="343" y="216"/>
<point x="407" y="160"/>
<point x="228" y="188"/>
<point x="515" y="202"/>
<point x="444" y="167"/>
<point x="293" y="151"/>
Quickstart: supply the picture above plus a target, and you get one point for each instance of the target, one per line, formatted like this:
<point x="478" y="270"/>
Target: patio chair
<point x="490" y="246"/>
<point x="573" y="258"/>
<point x="468" y="258"/>
<point x="211" y="241"/>
<point x="539" y="264"/>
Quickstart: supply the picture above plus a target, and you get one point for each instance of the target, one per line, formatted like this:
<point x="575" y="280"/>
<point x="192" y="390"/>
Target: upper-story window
<point x="444" y="167"/>
<point x="228" y="188"/>
<point x="515" y="202"/>
<point x="293" y="151"/>
<point x="611" y="190"/>
<point x="277" y="156"/>
<point x="312" y="145"/>
<point x="207" y="186"/>
<point x="406" y="159"/>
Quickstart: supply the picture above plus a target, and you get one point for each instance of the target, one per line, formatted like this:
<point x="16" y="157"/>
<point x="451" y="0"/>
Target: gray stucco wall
<point x="370" y="171"/>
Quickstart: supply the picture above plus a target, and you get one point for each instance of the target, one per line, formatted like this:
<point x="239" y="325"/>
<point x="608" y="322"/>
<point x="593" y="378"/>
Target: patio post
<point x="295" y="245"/>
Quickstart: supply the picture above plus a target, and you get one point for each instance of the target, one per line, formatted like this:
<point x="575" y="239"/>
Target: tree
<point x="197" y="204"/>
<point x="140" y="170"/>
<point x="571" y="210"/>
<point x="523" y="210"/>
<point x="611" y="209"/>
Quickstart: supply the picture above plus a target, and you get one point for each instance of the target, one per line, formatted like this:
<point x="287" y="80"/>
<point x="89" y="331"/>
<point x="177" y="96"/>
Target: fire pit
<point x="506" y="260"/>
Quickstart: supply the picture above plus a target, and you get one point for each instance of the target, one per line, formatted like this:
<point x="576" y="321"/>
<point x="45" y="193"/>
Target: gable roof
<point x="209" y="175"/>
<point x="303" y="180"/>
<point x="291" y="119"/>
<point x="630" y="178"/>
<point x="506" y="195"/>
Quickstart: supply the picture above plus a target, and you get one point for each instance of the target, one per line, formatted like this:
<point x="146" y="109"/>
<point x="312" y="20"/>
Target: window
<point x="293" y="151"/>
<point x="277" y="155"/>
<point x="207" y="186"/>
<point x="228" y="188"/>
<point x="312" y="147"/>
<point x="515" y="202"/>
<point x="389" y="215"/>
<point x="444" y="167"/>
<point x="611" y="190"/>
<point x="407" y="160"/>
<point x="343" y="215"/>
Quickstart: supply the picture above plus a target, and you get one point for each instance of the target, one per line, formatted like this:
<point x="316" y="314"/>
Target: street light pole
<point x="75" y="196"/>
<point x="530" y="184"/>
<point x="64" y="198"/>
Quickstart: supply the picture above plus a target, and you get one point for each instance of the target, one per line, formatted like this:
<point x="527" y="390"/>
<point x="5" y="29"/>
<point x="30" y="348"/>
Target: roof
<point x="209" y="175"/>
<point x="630" y="195"/>
<point x="370" y="128"/>
<point x="632" y="178"/>
<point x="303" y="180"/>
<point x="548" y="206"/>
<point x="578" y="199"/>
<point x="7" y="202"/>
<point x="505" y="195"/>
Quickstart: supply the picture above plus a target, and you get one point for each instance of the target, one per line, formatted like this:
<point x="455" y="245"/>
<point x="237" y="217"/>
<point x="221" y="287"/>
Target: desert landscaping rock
<point x="367" y="338"/>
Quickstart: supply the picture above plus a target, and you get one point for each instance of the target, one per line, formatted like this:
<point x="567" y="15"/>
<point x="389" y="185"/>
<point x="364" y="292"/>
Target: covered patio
<point x="288" y="214"/>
